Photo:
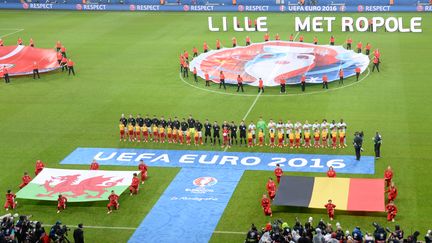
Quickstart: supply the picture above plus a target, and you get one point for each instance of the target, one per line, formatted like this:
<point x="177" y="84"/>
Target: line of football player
<point x="193" y="132"/>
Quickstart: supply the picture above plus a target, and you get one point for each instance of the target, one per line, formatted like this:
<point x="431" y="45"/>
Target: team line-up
<point x="294" y="135"/>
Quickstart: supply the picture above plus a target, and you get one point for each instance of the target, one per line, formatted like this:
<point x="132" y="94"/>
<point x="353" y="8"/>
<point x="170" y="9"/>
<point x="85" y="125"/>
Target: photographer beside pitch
<point x="78" y="234"/>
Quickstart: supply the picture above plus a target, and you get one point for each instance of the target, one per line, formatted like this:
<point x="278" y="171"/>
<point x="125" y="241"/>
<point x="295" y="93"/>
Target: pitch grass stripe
<point x="11" y="33"/>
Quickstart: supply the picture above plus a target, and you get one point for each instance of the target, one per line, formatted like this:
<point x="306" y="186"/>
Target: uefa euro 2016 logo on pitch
<point x="205" y="181"/>
<point x="274" y="61"/>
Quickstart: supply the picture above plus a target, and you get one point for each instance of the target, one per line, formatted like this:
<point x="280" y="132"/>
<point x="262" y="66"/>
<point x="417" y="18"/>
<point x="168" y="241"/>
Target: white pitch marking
<point x="14" y="32"/>
<point x="134" y="228"/>
<point x="277" y="95"/>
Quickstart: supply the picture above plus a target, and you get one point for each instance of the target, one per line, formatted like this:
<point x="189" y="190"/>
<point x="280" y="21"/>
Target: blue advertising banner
<point x="215" y="8"/>
<point x="190" y="208"/>
<point x="223" y="160"/>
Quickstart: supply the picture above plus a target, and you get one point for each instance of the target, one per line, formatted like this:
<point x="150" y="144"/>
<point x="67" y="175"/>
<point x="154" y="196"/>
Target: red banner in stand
<point x="19" y="59"/>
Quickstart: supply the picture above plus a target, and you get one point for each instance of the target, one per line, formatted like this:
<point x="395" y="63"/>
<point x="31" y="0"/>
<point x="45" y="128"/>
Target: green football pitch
<point x="128" y="63"/>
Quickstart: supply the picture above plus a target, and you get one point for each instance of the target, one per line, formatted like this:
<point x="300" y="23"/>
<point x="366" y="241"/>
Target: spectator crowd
<point x="322" y="232"/>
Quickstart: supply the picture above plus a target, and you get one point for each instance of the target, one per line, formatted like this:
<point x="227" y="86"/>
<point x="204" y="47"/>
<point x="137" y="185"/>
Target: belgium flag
<point x="350" y="194"/>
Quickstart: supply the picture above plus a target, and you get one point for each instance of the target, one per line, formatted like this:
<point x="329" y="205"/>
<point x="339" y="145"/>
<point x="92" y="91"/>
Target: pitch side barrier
<point x="216" y="8"/>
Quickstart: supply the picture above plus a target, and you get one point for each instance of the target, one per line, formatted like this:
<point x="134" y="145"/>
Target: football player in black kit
<point x="242" y="129"/>
<point x="207" y="133"/>
<point x="162" y="122"/>
<point x="123" y="120"/>
<point x="140" y="120"/>
<point x="131" y="120"/>
<point x="176" y="123"/>
<point x="233" y="129"/>
<point x="216" y="133"/>
<point x="198" y="128"/>
<point x="155" y="121"/>
<point x="191" y="124"/>
<point x="184" y="126"/>
<point x="170" y="123"/>
<point x="148" y="123"/>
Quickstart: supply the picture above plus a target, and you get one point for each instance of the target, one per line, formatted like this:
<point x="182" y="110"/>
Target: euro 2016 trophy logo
<point x="274" y="61"/>
<point x="205" y="181"/>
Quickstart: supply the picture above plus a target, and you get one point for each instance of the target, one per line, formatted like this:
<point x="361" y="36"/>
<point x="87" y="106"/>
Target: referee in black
<point x="377" y="145"/>
<point x="358" y="143"/>
<point x="216" y="133"/>
<point x="242" y="129"/>
<point x="198" y="129"/>
<point x="207" y="131"/>
<point x="233" y="129"/>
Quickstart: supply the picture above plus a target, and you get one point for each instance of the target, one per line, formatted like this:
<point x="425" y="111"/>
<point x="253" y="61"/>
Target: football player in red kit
<point x="61" y="203"/>
<point x="391" y="210"/>
<point x="278" y="173"/>
<point x="271" y="188"/>
<point x="25" y="180"/>
<point x="225" y="135"/>
<point x="143" y="168"/>
<point x="113" y="202"/>
<point x="188" y="137"/>
<point x="94" y="165"/>
<point x="134" y="187"/>
<point x="196" y="139"/>
<point x="388" y="176"/>
<point x="39" y="167"/>
<point x="330" y="209"/>
<point x="266" y="205"/>
<point x="331" y="173"/>
<point x="272" y="139"/>
<point x="392" y="192"/>
<point x="180" y="136"/>
<point x="10" y="200"/>
<point x="137" y="133"/>
<point x="280" y="139"/>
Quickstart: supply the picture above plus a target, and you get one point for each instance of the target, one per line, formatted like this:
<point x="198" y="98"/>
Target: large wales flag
<point x="76" y="185"/>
